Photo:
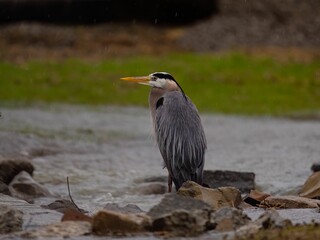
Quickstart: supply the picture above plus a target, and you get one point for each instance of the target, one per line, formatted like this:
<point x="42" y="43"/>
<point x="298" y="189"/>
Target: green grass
<point x="232" y="83"/>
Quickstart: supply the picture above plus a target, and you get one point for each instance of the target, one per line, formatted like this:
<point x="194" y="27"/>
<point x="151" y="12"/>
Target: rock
<point x="270" y="219"/>
<point x="57" y="230"/>
<point x="244" y="181"/>
<point x="10" y="219"/>
<point x="290" y="202"/>
<point x="62" y="205"/>
<point x="10" y="168"/>
<point x="4" y="188"/>
<point x="295" y="215"/>
<point x="107" y="222"/>
<point x="181" y="216"/>
<point x="75" y="215"/>
<point x="311" y="188"/>
<point x="129" y="208"/>
<point x="315" y="167"/>
<point x="255" y="197"/>
<point x="33" y="216"/>
<point x="150" y="188"/>
<point x="229" y="219"/>
<point x="183" y="223"/>
<point x="173" y="202"/>
<point x="23" y="186"/>
<point x="216" y="198"/>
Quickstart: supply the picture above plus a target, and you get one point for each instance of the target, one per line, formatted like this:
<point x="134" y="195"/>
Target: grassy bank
<point x="231" y="83"/>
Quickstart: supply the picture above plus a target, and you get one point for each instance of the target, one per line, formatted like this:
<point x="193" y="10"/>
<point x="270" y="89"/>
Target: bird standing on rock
<point x="177" y="127"/>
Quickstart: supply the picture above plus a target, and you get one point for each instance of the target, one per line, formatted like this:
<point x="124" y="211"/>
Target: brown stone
<point x="74" y="215"/>
<point x="10" y="168"/>
<point x="311" y="188"/>
<point x="216" y="198"/>
<point x="109" y="222"/>
<point x="255" y="197"/>
<point x="290" y="202"/>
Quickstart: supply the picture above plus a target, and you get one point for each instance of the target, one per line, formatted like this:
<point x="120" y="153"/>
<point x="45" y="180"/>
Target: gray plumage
<point x="180" y="138"/>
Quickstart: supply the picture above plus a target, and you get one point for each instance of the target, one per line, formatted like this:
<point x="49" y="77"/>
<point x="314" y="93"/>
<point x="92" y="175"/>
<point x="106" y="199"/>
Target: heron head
<point x="158" y="79"/>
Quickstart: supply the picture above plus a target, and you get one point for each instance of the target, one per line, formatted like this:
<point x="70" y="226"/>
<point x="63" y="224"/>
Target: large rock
<point x="10" y="219"/>
<point x="181" y="216"/>
<point x="172" y="202"/>
<point x="216" y="198"/>
<point x="107" y="222"/>
<point x="290" y="202"/>
<point x="244" y="181"/>
<point x="9" y="168"/>
<point x="311" y="188"/>
<point x="23" y="186"/>
<point x="229" y="219"/>
<point x="183" y="223"/>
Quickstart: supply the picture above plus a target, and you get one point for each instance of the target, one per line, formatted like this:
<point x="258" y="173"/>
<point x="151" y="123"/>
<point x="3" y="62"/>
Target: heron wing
<point x="180" y="137"/>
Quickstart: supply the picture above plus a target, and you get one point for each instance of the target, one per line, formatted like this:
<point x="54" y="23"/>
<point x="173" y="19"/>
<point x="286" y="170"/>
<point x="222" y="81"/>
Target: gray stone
<point x="269" y="219"/>
<point x="229" y="219"/>
<point x="33" y="215"/>
<point x="183" y="223"/>
<point x="172" y="202"/>
<point x="244" y="181"/>
<point x="272" y="219"/>
<point x="23" y="186"/>
<point x="181" y="216"/>
<point x="11" y="219"/>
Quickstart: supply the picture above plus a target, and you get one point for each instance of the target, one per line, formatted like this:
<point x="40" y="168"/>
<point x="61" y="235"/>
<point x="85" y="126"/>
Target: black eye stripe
<point x="163" y="75"/>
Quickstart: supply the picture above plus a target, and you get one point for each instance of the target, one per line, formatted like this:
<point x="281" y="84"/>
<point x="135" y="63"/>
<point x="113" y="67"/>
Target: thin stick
<point x="71" y="196"/>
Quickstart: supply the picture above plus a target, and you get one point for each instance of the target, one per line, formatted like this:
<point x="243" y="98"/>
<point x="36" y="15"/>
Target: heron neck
<point x="154" y="96"/>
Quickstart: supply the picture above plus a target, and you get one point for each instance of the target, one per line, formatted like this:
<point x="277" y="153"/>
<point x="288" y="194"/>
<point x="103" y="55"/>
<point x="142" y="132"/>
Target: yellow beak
<point x="144" y="79"/>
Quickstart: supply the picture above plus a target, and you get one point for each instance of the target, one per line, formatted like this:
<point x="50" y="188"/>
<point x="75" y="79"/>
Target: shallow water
<point x="104" y="149"/>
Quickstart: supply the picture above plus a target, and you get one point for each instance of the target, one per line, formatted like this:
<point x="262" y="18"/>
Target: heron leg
<point x="169" y="183"/>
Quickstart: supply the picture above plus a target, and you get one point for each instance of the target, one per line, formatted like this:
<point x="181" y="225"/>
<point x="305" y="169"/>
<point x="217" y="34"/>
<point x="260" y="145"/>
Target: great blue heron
<point x="177" y="126"/>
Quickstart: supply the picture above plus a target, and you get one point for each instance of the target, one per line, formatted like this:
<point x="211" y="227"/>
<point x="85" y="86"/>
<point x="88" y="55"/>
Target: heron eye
<point x="153" y="78"/>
